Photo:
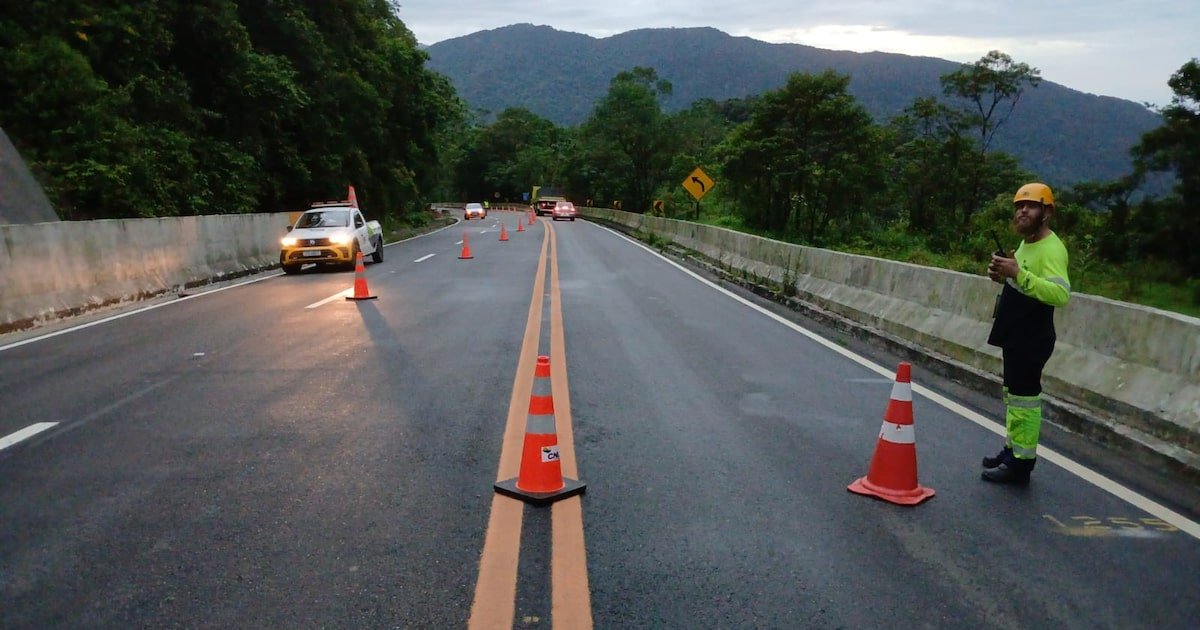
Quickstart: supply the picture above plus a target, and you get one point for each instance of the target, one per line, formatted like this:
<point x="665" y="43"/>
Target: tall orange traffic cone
<point x="540" y="480"/>
<point x="353" y="199"/>
<point x="531" y="215"/>
<point x="893" y="473"/>
<point x="360" y="282"/>
<point x="520" y="225"/>
<point x="503" y="232"/>
<point x="466" y="250"/>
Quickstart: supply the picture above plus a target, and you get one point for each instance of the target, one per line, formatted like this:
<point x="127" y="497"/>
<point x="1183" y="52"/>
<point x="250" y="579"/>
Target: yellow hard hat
<point x="1038" y="192"/>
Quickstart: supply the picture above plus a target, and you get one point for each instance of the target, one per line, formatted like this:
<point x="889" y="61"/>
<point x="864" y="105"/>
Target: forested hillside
<point x="1062" y="135"/>
<point x="176" y="107"/>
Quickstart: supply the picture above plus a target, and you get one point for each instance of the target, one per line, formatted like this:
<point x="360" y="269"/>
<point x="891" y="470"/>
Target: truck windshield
<point x="324" y="218"/>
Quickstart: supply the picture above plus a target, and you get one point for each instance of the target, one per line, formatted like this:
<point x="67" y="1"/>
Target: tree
<point x="1175" y="146"/>
<point x="627" y="134"/>
<point x="993" y="86"/>
<point x="808" y="159"/>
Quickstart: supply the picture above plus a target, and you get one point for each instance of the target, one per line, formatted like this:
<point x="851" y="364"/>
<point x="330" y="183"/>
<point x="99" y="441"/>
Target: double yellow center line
<point x="494" y="605"/>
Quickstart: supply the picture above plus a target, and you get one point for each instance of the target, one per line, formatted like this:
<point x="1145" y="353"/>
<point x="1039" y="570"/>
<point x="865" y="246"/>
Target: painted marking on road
<point x="1111" y="527"/>
<point x="1131" y="497"/>
<point x="331" y="298"/>
<point x="25" y="434"/>
<point x="424" y="258"/>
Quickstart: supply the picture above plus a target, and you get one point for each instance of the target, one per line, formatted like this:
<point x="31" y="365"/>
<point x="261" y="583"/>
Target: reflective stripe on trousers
<point x="1023" y="422"/>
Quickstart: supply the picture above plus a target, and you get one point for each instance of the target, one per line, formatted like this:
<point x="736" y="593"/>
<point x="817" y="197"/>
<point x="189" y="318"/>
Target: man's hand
<point x="1001" y="268"/>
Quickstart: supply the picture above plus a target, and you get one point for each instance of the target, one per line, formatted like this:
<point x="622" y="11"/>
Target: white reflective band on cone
<point x="898" y="433"/>
<point x="902" y="391"/>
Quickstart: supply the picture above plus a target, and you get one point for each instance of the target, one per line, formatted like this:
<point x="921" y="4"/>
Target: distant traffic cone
<point x="353" y="198"/>
<point x="531" y="215"/>
<point x="893" y="473"/>
<point x="503" y="232"/>
<point x="466" y="250"/>
<point x="520" y="225"/>
<point x="540" y="480"/>
<point x="360" y="282"/>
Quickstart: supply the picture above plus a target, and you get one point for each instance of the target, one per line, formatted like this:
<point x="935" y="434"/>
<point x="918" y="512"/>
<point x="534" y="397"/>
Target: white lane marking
<point x="331" y="298"/>
<point x="25" y="434"/>
<point x="64" y="331"/>
<point x="424" y="258"/>
<point x="459" y="243"/>
<point x="1131" y="497"/>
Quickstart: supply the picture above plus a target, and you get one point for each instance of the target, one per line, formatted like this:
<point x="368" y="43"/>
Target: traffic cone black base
<point x="571" y="487"/>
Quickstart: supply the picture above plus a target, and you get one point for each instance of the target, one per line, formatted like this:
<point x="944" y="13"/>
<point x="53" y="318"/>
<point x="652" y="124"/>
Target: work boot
<point x="1014" y="471"/>
<point x="1003" y="456"/>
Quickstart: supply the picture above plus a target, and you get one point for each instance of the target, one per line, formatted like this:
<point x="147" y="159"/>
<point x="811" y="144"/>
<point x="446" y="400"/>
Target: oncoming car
<point x="474" y="211"/>
<point x="563" y="210"/>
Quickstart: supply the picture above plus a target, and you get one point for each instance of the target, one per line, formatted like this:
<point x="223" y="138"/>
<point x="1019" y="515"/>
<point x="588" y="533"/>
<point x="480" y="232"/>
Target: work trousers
<point x="1023" y="366"/>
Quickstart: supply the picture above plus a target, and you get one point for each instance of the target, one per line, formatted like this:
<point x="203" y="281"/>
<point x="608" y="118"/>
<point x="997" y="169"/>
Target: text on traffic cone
<point x="360" y="281"/>
<point x="540" y="479"/>
<point x="893" y="472"/>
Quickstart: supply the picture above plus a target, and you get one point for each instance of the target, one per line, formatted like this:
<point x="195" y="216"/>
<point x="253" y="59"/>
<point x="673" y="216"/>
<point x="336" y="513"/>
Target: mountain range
<point x="1062" y="135"/>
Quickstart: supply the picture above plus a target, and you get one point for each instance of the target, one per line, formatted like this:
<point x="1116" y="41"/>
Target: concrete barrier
<point x="53" y="270"/>
<point x="1133" y="368"/>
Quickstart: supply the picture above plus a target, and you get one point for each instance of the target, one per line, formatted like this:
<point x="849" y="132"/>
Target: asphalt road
<point x="273" y="455"/>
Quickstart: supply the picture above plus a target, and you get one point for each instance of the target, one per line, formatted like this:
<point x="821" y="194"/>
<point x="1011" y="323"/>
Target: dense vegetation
<point x="806" y="163"/>
<point x="178" y="107"/>
<point x="1064" y="135"/>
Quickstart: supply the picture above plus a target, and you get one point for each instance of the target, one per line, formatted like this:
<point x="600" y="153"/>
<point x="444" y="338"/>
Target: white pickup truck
<point x="330" y="234"/>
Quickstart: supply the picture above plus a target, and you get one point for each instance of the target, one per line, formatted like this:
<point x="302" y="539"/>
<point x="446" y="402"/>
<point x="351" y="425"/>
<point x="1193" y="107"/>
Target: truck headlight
<point x="341" y="238"/>
<point x="288" y="241"/>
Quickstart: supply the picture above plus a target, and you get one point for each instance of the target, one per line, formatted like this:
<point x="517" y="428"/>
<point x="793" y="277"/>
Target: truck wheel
<point x="377" y="255"/>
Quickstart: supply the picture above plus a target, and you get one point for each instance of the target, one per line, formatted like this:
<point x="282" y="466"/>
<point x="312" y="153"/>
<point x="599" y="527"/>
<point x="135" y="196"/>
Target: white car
<point x="474" y="211"/>
<point x="331" y="233"/>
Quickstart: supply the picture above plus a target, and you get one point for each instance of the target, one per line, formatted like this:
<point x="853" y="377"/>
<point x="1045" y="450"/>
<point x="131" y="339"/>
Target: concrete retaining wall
<point x="1137" y="365"/>
<point x="50" y="270"/>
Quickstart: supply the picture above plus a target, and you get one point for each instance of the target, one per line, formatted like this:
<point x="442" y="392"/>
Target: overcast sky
<point x="1127" y="49"/>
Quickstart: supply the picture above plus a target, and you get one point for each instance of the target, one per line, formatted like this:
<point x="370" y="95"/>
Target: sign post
<point x="698" y="183"/>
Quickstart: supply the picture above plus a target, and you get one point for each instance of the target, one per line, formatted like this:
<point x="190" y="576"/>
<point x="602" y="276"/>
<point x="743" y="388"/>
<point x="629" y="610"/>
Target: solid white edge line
<point x="424" y="258"/>
<point x="25" y="434"/>
<point x="1135" y="499"/>
<point x="64" y="331"/>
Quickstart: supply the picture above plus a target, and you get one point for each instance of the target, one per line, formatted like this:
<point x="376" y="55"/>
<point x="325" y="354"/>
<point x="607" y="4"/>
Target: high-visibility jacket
<point x="1025" y="315"/>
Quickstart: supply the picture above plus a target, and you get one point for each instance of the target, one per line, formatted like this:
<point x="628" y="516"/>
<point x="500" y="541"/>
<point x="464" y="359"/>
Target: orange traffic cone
<point x="531" y="215"/>
<point x="503" y="233"/>
<point x="540" y="480"/>
<point x="466" y="250"/>
<point x="360" y="282"/>
<point x="520" y="225"/>
<point x="352" y="198"/>
<point x="893" y="473"/>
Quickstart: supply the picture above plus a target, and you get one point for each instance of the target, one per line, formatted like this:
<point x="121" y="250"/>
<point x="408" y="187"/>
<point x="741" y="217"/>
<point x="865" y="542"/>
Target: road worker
<point x="1035" y="283"/>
